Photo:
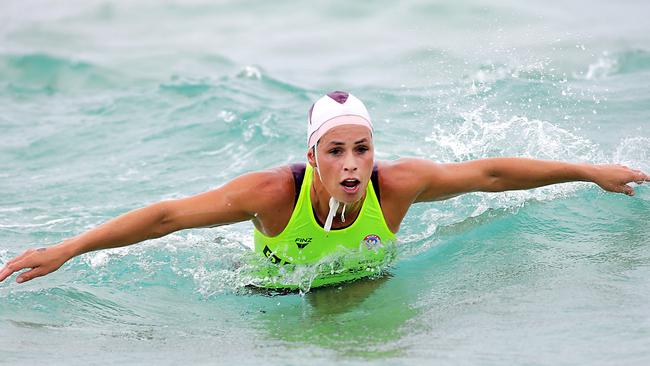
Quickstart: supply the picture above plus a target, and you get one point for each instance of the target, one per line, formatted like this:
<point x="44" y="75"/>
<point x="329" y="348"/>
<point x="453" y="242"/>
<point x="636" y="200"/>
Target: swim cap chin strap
<point x="334" y="203"/>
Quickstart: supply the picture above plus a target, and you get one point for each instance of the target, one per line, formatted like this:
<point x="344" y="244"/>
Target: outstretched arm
<point x="233" y="202"/>
<point x="441" y="181"/>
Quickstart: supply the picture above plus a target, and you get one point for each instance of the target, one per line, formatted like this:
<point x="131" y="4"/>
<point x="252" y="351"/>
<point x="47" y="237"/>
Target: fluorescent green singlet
<point x="353" y="252"/>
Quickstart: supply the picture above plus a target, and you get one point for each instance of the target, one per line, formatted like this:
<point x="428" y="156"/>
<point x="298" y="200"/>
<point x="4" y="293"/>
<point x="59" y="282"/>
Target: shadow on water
<point x="356" y="319"/>
<point x="332" y="300"/>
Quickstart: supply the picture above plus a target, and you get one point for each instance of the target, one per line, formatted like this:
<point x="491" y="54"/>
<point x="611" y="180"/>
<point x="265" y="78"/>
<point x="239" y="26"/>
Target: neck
<point x="320" y="198"/>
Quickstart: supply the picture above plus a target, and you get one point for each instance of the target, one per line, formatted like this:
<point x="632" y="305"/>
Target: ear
<point x="311" y="158"/>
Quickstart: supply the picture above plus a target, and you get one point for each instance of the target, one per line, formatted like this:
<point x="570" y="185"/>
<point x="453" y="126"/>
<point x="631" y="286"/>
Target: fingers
<point x="627" y="190"/>
<point x="640" y="177"/>
<point x="644" y="177"/>
<point x="635" y="175"/>
<point x="5" y="272"/>
<point x="15" y="265"/>
<point x="9" y="269"/>
<point x="31" y="274"/>
<point x="621" y="188"/>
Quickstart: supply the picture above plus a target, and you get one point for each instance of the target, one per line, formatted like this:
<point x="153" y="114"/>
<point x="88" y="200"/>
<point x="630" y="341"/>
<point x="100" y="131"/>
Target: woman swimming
<point x="340" y="200"/>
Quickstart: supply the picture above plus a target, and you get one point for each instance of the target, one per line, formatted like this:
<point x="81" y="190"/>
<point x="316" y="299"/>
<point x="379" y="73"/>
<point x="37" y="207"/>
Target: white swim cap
<point x="323" y="115"/>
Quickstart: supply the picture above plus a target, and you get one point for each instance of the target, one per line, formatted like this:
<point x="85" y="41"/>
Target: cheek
<point x="329" y="169"/>
<point x="368" y="158"/>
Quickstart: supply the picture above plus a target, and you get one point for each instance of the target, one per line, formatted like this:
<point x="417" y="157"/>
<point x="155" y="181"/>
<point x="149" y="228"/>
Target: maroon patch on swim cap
<point x="339" y="96"/>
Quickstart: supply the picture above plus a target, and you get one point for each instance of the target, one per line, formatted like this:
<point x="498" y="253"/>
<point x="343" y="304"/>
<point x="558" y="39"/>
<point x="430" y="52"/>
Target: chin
<point x="349" y="199"/>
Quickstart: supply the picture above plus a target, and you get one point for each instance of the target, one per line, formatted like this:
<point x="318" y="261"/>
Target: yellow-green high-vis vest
<point x="356" y="251"/>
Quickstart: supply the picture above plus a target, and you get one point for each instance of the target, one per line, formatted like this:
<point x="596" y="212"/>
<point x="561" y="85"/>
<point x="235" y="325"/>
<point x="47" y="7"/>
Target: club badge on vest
<point x="372" y="242"/>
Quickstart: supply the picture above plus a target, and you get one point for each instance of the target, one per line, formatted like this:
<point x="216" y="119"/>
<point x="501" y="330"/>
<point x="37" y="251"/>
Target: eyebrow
<point x="339" y="143"/>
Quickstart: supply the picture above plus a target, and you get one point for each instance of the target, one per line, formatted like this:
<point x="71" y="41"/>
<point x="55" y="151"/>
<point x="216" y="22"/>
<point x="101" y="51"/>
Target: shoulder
<point x="407" y="175"/>
<point x="401" y="182"/>
<point x="407" y="166"/>
<point x="271" y="179"/>
<point x="269" y="187"/>
<point x="268" y="196"/>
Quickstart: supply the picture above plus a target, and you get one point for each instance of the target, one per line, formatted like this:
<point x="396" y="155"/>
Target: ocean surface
<point x="110" y="106"/>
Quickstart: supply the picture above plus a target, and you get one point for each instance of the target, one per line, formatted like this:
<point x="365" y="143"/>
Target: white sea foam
<point x="603" y="67"/>
<point x="47" y="224"/>
<point x="11" y="209"/>
<point x="250" y="72"/>
<point x="102" y="258"/>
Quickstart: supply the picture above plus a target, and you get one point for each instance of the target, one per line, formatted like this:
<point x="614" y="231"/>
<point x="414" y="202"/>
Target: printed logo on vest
<point x="302" y="242"/>
<point x="274" y="258"/>
<point x="372" y="241"/>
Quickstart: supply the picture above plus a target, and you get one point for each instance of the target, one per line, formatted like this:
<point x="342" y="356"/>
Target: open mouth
<point x="351" y="185"/>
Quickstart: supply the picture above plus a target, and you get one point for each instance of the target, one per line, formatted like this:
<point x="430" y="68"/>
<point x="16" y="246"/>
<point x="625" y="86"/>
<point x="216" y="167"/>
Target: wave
<point x="248" y="104"/>
<point x="535" y="71"/>
<point x="620" y="63"/>
<point x="551" y="75"/>
<point x="40" y="72"/>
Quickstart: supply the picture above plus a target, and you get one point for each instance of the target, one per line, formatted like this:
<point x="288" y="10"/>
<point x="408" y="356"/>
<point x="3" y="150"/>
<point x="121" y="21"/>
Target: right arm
<point x="241" y="199"/>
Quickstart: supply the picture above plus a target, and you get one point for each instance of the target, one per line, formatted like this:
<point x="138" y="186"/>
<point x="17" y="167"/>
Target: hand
<point x="41" y="261"/>
<point x="614" y="178"/>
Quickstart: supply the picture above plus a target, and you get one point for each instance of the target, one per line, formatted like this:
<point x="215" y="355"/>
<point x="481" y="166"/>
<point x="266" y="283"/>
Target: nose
<point x="350" y="164"/>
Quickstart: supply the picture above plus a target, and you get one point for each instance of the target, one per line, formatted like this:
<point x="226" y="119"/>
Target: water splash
<point x="485" y="133"/>
<point x="634" y="152"/>
<point x="345" y="265"/>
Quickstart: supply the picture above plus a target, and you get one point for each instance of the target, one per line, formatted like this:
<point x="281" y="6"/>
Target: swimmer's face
<point x="345" y="159"/>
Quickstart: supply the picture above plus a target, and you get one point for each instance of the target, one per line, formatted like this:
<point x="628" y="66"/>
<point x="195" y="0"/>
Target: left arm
<point x="504" y="174"/>
<point x="520" y="173"/>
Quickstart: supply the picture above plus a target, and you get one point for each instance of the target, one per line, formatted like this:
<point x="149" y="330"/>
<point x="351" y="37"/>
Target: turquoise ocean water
<point x="109" y="106"/>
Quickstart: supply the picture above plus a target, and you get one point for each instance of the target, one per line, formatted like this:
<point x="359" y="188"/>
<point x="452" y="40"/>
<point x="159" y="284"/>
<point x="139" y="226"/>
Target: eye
<point x="362" y="149"/>
<point x="336" y="151"/>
